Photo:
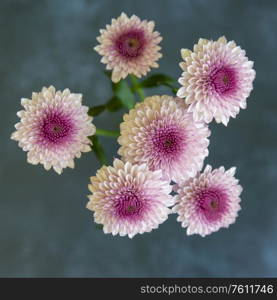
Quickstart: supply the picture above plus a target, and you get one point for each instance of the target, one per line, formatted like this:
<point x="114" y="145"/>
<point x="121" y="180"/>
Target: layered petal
<point x="54" y="128"/>
<point x="129" y="199"/>
<point x="162" y="133"/>
<point x="129" y="46"/>
<point x="209" y="201"/>
<point x="217" y="78"/>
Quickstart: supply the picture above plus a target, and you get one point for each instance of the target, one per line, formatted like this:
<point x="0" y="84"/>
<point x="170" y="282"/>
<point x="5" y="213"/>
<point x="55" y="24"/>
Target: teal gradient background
<point x="45" y="229"/>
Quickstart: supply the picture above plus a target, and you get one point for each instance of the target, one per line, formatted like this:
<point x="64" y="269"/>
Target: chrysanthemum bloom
<point x="162" y="133"/>
<point x="209" y="201"/>
<point x="216" y="81"/>
<point x="129" y="46"/>
<point x="54" y="128"/>
<point x="129" y="199"/>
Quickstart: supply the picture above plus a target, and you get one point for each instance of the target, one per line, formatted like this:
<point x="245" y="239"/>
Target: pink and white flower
<point x="217" y="78"/>
<point x="162" y="133"/>
<point x="54" y="128"/>
<point x="209" y="201"/>
<point x="129" y="199"/>
<point x="129" y="46"/>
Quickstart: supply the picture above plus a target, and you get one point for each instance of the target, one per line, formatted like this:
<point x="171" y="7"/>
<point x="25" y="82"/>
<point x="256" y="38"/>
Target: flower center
<point x="55" y="128"/>
<point x="224" y="80"/>
<point x="212" y="203"/>
<point x="128" y="204"/>
<point x="168" y="140"/>
<point x="130" y="44"/>
<point x="133" y="43"/>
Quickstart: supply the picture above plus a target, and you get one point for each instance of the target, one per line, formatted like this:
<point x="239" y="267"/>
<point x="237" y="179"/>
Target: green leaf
<point x="124" y="93"/>
<point x="121" y="91"/>
<point x="99" y="226"/>
<point x="96" y="110"/>
<point x="114" y="104"/>
<point x="98" y="150"/>
<point x="157" y="80"/>
<point x="174" y="90"/>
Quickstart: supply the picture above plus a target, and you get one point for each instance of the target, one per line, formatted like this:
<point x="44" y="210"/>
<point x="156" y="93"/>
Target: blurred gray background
<point x="45" y="229"/>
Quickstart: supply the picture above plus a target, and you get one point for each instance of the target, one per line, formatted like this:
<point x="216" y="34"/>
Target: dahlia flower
<point x="129" y="199"/>
<point x="162" y="133"/>
<point x="209" y="201"/>
<point x="129" y="46"/>
<point x="216" y="81"/>
<point x="54" y="128"/>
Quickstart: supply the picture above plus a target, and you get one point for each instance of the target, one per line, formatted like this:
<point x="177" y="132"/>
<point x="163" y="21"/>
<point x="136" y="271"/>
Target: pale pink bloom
<point x="54" y="128"/>
<point x="209" y="201"/>
<point x="217" y="78"/>
<point x="162" y="133"/>
<point x="129" y="46"/>
<point x="129" y="199"/>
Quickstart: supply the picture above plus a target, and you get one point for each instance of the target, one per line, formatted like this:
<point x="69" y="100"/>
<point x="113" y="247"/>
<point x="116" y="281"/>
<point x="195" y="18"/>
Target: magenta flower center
<point x="212" y="203"/>
<point x="168" y="140"/>
<point x="55" y="128"/>
<point x="128" y="204"/>
<point x="130" y="44"/>
<point x="224" y="80"/>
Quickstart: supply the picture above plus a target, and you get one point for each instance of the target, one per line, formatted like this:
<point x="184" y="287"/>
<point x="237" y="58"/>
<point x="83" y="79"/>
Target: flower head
<point x="162" y="133"/>
<point x="216" y="81"/>
<point x="129" y="199"/>
<point x="209" y="201"/>
<point x="54" y="128"/>
<point x="129" y="46"/>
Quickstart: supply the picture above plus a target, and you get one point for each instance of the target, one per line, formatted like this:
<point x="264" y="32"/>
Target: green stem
<point x="109" y="133"/>
<point x="136" y="87"/>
